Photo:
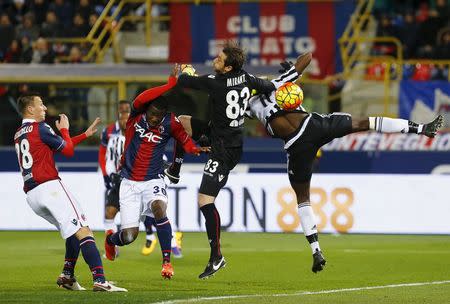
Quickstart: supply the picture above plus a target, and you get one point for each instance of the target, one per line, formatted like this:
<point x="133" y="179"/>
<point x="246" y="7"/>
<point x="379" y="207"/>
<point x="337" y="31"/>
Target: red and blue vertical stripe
<point x="195" y="27"/>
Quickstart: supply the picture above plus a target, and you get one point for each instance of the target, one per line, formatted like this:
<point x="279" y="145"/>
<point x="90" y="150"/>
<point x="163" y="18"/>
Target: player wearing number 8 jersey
<point x="36" y="143"/>
<point x="143" y="190"/>
<point x="229" y="91"/>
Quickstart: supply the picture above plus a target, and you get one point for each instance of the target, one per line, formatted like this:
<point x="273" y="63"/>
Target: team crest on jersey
<point x="75" y="222"/>
<point x="161" y="129"/>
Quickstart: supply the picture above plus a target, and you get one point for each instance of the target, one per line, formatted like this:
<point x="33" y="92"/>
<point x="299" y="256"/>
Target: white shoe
<point x="69" y="283"/>
<point x="107" y="286"/>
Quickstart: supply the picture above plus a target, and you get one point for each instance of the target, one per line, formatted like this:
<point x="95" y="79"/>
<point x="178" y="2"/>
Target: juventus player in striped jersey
<point x="304" y="133"/>
<point x="112" y="156"/>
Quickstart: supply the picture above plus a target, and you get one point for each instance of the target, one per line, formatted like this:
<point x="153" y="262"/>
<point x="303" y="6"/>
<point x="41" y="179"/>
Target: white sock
<point x="388" y="125"/>
<point x="150" y="237"/>
<point x="110" y="225"/>
<point x="309" y="224"/>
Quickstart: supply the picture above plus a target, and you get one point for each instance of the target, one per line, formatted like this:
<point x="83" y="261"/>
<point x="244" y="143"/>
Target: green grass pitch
<point x="262" y="268"/>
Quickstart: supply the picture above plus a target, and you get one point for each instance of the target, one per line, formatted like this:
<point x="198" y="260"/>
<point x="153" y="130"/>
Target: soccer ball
<point x="289" y="96"/>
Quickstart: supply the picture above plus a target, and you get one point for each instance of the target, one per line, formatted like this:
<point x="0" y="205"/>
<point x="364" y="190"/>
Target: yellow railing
<point x="98" y="38"/>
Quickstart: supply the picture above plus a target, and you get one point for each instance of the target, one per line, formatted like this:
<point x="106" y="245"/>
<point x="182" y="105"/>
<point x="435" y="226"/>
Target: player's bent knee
<point x="159" y="209"/>
<point x="83" y="232"/>
<point x="129" y="235"/>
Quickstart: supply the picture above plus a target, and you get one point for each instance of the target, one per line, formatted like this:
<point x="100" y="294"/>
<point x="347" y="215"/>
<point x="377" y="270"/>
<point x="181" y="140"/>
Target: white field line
<point x="300" y="293"/>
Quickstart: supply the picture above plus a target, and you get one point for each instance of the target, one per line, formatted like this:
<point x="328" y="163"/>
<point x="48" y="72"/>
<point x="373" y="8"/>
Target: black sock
<point x="212" y="223"/>
<point x="413" y="127"/>
<point x="312" y="238"/>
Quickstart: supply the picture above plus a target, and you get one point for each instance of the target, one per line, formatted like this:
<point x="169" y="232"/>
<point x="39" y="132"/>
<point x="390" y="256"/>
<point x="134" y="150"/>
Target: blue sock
<point x="72" y="252"/>
<point x="92" y="258"/>
<point x="164" y="231"/>
<point x="115" y="239"/>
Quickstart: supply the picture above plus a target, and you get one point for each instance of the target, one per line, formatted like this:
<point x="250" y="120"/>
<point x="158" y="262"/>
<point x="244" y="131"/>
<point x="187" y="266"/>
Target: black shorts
<point x="112" y="195"/>
<point x="315" y="131"/>
<point x="221" y="160"/>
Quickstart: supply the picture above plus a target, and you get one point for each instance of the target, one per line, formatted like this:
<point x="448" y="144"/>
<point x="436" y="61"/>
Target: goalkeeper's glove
<point x="188" y="69"/>
<point x="285" y="66"/>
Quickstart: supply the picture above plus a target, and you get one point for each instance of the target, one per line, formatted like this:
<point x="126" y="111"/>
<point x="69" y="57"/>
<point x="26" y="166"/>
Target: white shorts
<point x="136" y="199"/>
<point x="53" y="202"/>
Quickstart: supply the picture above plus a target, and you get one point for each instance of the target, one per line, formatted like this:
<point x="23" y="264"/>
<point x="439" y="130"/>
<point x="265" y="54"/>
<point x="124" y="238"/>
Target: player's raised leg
<point x="397" y="125"/>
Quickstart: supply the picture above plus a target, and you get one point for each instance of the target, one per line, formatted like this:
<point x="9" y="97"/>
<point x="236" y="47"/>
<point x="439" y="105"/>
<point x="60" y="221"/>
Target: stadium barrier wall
<point x="346" y="203"/>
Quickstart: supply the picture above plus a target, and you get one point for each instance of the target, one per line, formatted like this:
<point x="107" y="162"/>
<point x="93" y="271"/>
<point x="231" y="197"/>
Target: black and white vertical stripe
<point x="290" y="76"/>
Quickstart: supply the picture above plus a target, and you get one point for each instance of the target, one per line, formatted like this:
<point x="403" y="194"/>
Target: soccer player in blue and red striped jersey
<point x="36" y="143"/>
<point x="143" y="190"/>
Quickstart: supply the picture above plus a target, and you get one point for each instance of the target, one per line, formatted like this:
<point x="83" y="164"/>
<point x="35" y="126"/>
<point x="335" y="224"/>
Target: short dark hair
<point x="160" y="103"/>
<point x="123" y="102"/>
<point x="235" y="55"/>
<point x="25" y="100"/>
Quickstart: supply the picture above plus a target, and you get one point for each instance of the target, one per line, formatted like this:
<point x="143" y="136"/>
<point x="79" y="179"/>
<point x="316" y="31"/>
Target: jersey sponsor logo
<point x="150" y="136"/>
<point x="75" y="222"/>
<point x="221" y="177"/>
<point x="27" y="129"/>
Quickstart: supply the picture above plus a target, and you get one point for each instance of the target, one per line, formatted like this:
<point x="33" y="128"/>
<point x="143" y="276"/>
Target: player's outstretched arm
<point x="153" y="93"/>
<point x="92" y="129"/>
<point x="302" y="62"/>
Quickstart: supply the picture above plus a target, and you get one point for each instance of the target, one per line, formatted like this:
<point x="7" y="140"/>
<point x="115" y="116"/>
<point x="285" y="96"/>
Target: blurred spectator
<point x="64" y="11"/>
<point x="79" y="27"/>
<point x="422" y="13"/>
<point x="422" y="72"/>
<point x="60" y="49"/>
<point x="75" y="55"/>
<point x="27" y="28"/>
<point x="386" y="29"/>
<point x="443" y="48"/>
<point x="16" y="11"/>
<point x="26" y="50"/>
<point x="84" y="9"/>
<point x="408" y="35"/>
<point x="39" y="9"/>
<point x="42" y="53"/>
<point x="6" y="33"/>
<point x="427" y="35"/>
<point x="443" y="8"/>
<point x="440" y="72"/>
<point x="51" y="27"/>
<point x="13" y="53"/>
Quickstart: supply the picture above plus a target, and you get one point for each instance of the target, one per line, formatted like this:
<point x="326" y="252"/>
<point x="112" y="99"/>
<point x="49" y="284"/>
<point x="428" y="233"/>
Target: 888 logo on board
<point x="339" y="216"/>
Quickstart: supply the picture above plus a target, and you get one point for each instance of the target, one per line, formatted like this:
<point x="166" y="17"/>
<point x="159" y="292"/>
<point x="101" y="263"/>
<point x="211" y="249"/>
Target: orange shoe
<point x="110" y="250"/>
<point x="167" y="271"/>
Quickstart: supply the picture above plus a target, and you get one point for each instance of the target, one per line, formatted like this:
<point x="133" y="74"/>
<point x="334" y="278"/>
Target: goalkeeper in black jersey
<point x="229" y="91"/>
<point x="304" y="133"/>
